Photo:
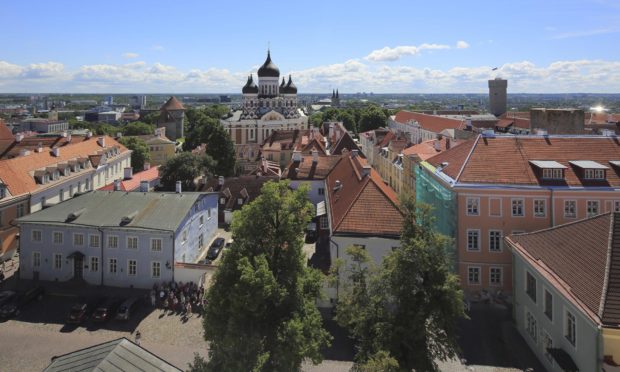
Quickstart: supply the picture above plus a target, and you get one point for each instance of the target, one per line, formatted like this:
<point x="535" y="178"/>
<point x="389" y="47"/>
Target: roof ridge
<point x="467" y="158"/>
<point x="564" y="224"/>
<point x="350" y="206"/>
<point x="601" y="306"/>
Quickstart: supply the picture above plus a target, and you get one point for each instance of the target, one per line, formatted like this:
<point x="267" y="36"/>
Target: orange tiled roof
<point x="601" y="118"/>
<point x="309" y="170"/>
<point x="427" y="149"/>
<point x="132" y="184"/>
<point x="431" y="123"/>
<point x="362" y="205"/>
<point x="17" y="173"/>
<point x="506" y="159"/>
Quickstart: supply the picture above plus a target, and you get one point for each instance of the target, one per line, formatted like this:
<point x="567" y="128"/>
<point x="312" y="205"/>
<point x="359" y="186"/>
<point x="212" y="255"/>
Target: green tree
<point x="184" y="167"/>
<point x="409" y="307"/>
<point x="316" y="119"/>
<point x="138" y="128"/>
<point x="139" y="152"/>
<point x="261" y="313"/>
<point x="208" y="130"/>
<point x="151" y="118"/>
<point x="348" y="120"/>
<point x="371" y="118"/>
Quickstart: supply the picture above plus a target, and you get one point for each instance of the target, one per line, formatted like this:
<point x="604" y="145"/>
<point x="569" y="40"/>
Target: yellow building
<point x="160" y="147"/>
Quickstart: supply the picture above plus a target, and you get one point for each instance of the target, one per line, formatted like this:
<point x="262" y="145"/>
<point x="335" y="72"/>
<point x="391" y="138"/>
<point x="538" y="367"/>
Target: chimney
<point x="117" y="185"/>
<point x="101" y="141"/>
<point x="296" y="155"/>
<point x="315" y="156"/>
<point x="437" y="145"/>
<point x="338" y="134"/>
<point x="56" y="151"/>
<point x="220" y="181"/>
<point x="68" y="137"/>
<point x="366" y="170"/>
<point x="178" y="187"/>
<point x="447" y="143"/>
<point x="128" y="173"/>
<point x="119" y="134"/>
<point x="39" y="147"/>
<point x="354" y="153"/>
<point x="89" y="134"/>
<point x="64" y="134"/>
<point x="19" y="137"/>
<point x="147" y="166"/>
<point x="144" y="186"/>
<point x="331" y="130"/>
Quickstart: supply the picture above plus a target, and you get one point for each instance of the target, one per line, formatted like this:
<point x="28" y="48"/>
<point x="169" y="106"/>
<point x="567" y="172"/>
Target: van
<point x="127" y="308"/>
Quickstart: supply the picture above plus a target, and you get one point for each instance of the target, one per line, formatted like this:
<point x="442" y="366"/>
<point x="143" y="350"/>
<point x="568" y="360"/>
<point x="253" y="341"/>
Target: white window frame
<point x="592" y="203"/>
<point x="153" y="265"/>
<point x="57" y="263"/>
<point x="500" y="242"/>
<point x="545" y="345"/>
<point x="535" y="299"/>
<point x="472" y="205"/>
<point x="531" y="325"/>
<point x="594" y="174"/>
<point x="536" y="207"/>
<point x="567" y="203"/>
<point x="94" y="264"/>
<point x="544" y="304"/>
<point x="75" y="236"/>
<point x="501" y="276"/>
<point x="110" y="237"/>
<point x="323" y="223"/>
<point x="553" y="174"/>
<point x="477" y="248"/>
<point x="62" y="237"/>
<point x="110" y="266"/>
<point x="36" y="259"/>
<point x="130" y="238"/>
<point x="129" y="262"/>
<point x="90" y="240"/>
<point x="512" y="207"/>
<point x="566" y="317"/>
<point x="161" y="244"/>
<point x="32" y="236"/>
<point x="469" y="282"/>
<point x="20" y="210"/>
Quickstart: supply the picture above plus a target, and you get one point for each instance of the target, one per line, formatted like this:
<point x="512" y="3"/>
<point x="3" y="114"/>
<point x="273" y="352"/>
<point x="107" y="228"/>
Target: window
<point x="36" y="235"/>
<point x="184" y="239"/>
<point x="495" y="276"/>
<point x="71" y="190"/>
<point x="61" y="194"/>
<point x="530" y="326"/>
<point x="594" y="174"/>
<point x="495" y="240"/>
<point x="473" y="240"/>
<point x="517" y="207"/>
<point x="57" y="261"/>
<point x="112" y="265"/>
<point x="36" y="260"/>
<point x="570" y="331"/>
<point x="321" y="191"/>
<point x="58" y="237"/>
<point x="540" y="208"/>
<point x="78" y="239"/>
<point x="201" y="240"/>
<point x="20" y="210"/>
<point x="112" y="241"/>
<point x="360" y="246"/>
<point x="155" y="269"/>
<point x="132" y="267"/>
<point x="472" y="206"/>
<point x="570" y="208"/>
<point x="473" y="275"/>
<point x="552" y="173"/>
<point x="202" y="220"/>
<point x="324" y="223"/>
<point x="592" y="207"/>
<point x="94" y="241"/>
<point x="94" y="264"/>
<point x="617" y="206"/>
<point x="132" y="242"/>
<point x="547" y="343"/>
<point x="156" y="245"/>
<point x="209" y="213"/>
<point x="530" y="286"/>
<point x="548" y="305"/>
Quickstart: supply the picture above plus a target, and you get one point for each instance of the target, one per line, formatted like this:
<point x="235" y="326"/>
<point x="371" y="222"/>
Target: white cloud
<point x="462" y="44"/>
<point x="130" y="55"/>
<point x="157" y="48"/>
<point x="355" y="75"/>
<point x="393" y="54"/>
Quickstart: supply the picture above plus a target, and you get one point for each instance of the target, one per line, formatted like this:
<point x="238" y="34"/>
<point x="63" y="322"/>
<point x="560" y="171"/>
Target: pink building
<point x="502" y="185"/>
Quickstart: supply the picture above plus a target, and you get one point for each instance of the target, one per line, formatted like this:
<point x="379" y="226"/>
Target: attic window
<point x="2" y="191"/>
<point x="551" y="170"/>
<point x="553" y="174"/>
<point x="591" y="169"/>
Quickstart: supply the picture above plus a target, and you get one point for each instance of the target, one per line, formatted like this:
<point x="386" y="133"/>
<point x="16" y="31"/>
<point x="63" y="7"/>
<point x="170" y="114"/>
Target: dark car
<point x="128" y="307"/>
<point x="106" y="310"/>
<point x="215" y="248"/>
<point x="17" y="302"/>
<point x="80" y="310"/>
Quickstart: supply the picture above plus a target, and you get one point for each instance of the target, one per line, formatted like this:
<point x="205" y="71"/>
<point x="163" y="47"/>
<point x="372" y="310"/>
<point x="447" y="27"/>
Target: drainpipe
<point x="173" y="253"/>
<point x="102" y="265"/>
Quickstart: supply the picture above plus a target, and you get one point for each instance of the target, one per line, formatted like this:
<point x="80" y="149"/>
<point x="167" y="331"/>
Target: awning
<point x="320" y="209"/>
<point x="76" y="254"/>
<point x="563" y="359"/>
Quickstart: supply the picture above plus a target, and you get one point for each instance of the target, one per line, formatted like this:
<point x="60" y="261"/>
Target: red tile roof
<point x="362" y="204"/>
<point x="581" y="261"/>
<point x="506" y="159"/>
<point x="132" y="184"/>
<point x="310" y="170"/>
<point x="172" y="104"/>
<point x="431" y="123"/>
<point x="601" y="118"/>
<point x="427" y="149"/>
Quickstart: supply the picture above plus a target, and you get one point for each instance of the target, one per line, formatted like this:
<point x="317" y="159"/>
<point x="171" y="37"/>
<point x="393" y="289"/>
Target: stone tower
<point x="498" y="96"/>
<point x="335" y="98"/>
<point x="172" y="117"/>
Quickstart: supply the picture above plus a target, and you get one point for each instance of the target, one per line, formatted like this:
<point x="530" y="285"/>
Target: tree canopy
<point x="371" y="118"/>
<point x="184" y="167"/>
<point x="139" y="152"/>
<point x="261" y="313"/>
<point x="407" y="309"/>
<point x="138" y="128"/>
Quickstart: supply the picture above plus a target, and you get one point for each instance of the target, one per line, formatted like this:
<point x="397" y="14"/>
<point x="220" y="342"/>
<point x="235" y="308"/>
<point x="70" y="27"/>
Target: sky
<point x="388" y="46"/>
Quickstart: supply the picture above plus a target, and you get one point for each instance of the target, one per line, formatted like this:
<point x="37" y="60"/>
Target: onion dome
<point x="290" y="88"/>
<point x="250" y="86"/>
<point x="268" y="69"/>
<point x="283" y="82"/>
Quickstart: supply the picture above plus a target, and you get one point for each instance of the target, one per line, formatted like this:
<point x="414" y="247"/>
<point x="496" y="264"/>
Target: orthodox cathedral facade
<point x="266" y="107"/>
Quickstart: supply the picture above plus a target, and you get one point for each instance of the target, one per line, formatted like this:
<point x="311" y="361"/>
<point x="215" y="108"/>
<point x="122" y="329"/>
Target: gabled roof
<point x="345" y="142"/>
<point x="361" y="204"/>
<point x="427" y="149"/>
<point x="431" y="123"/>
<point x="307" y="169"/>
<point x="172" y="104"/>
<point x="245" y="187"/>
<point x="133" y="183"/>
<point x="505" y="159"/>
<point x="582" y="261"/>
<point x="115" y="355"/>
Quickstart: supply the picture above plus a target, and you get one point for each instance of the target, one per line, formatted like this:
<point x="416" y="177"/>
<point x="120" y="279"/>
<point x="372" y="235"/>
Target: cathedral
<point x="266" y="107"/>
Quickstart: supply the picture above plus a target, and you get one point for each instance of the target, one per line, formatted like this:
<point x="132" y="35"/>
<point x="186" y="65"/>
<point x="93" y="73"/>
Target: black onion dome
<point x="290" y="87"/>
<point x="283" y="82"/>
<point x="250" y="86"/>
<point x="268" y="69"/>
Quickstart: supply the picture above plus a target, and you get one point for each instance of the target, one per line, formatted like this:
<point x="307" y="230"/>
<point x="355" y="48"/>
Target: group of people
<point x="178" y="297"/>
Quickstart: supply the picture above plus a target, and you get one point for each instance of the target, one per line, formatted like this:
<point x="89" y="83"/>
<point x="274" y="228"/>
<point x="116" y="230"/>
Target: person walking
<point x="138" y="337"/>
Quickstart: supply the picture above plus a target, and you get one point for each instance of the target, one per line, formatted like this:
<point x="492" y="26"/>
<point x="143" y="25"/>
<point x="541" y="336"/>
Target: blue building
<point x="119" y="239"/>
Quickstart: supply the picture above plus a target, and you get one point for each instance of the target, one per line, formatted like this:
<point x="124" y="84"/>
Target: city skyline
<point x="550" y="47"/>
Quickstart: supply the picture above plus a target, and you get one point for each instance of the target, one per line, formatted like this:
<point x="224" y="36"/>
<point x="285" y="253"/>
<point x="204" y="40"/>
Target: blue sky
<point x="380" y="46"/>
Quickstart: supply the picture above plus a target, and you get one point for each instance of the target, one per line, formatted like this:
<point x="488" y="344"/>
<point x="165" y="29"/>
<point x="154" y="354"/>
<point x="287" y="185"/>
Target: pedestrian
<point x="153" y="298"/>
<point x="138" y="337"/>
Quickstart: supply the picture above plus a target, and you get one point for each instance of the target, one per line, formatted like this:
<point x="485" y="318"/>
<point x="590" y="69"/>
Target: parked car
<point x="14" y="306"/>
<point x="80" y="310"/>
<point x="215" y="248"/>
<point x="128" y="307"/>
<point x="5" y="296"/>
<point x="106" y="310"/>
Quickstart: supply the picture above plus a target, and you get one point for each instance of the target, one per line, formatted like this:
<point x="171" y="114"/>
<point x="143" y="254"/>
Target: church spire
<point x="337" y="94"/>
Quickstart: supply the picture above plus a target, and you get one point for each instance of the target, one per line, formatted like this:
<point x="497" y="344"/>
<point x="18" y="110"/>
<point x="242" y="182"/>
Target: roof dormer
<point x="590" y="170"/>
<point x="549" y="169"/>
